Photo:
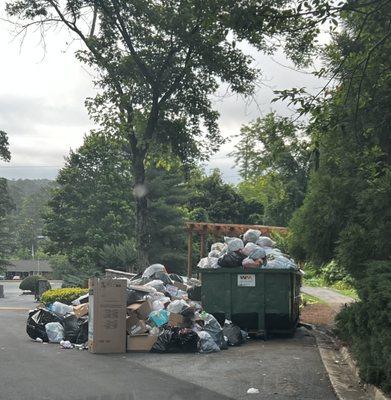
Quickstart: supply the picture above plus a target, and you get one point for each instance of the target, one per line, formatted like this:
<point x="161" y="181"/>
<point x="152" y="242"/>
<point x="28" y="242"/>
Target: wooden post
<point x="189" y="253"/>
<point x="203" y="244"/>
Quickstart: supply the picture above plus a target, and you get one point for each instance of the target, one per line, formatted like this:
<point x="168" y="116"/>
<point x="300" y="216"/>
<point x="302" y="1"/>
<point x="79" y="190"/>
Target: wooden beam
<point x="190" y="254"/>
<point x="230" y="229"/>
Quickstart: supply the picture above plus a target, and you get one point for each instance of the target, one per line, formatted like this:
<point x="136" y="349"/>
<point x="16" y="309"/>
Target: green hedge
<point x="366" y="326"/>
<point x="64" y="295"/>
<point x="31" y="283"/>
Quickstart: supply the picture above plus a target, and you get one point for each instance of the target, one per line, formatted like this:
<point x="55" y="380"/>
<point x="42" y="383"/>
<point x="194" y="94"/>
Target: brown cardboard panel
<point x="141" y="309"/>
<point x="175" y="319"/>
<point x="142" y="342"/>
<point x="81" y="310"/>
<point x="134" y="326"/>
<point x="107" y="316"/>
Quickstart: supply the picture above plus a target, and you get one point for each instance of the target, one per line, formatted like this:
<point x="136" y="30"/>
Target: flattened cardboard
<point x="175" y="319"/>
<point x="107" y="316"/>
<point x="141" y="309"/>
<point x="134" y="326"/>
<point x="80" y="310"/>
<point x="142" y="342"/>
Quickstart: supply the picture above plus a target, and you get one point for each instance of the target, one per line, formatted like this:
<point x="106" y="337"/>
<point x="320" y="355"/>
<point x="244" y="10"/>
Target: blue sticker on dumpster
<point x="246" y="280"/>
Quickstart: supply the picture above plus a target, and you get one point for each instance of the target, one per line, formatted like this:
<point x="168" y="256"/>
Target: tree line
<point x="327" y="176"/>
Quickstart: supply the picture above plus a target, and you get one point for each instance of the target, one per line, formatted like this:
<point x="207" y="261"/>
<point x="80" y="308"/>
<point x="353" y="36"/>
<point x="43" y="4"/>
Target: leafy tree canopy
<point x="158" y="62"/>
<point x="273" y="156"/>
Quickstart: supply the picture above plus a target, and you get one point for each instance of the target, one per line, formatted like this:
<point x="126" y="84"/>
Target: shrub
<point x="366" y="325"/>
<point x="31" y="283"/>
<point x="64" y="295"/>
<point x="333" y="272"/>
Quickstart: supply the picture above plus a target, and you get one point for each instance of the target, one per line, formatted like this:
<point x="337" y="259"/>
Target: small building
<point x="25" y="268"/>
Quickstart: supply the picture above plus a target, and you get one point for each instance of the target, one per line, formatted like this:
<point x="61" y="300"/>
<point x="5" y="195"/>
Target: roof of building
<point x="29" y="266"/>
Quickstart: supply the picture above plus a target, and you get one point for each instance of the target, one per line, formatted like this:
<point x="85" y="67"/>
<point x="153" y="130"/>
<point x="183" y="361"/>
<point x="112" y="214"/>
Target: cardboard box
<point x="134" y="326"/>
<point x="141" y="309"/>
<point x="107" y="316"/>
<point x="175" y="319"/>
<point x="142" y="342"/>
<point x="181" y="286"/>
<point x="80" y="310"/>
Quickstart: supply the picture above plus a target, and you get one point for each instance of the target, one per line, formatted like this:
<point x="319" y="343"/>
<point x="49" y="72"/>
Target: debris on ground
<point x="154" y="311"/>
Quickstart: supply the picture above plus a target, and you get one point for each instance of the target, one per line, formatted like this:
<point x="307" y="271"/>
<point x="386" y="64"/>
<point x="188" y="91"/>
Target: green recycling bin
<point x="260" y="301"/>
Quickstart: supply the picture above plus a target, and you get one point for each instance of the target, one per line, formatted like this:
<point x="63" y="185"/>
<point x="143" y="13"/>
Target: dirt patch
<point x="318" y="314"/>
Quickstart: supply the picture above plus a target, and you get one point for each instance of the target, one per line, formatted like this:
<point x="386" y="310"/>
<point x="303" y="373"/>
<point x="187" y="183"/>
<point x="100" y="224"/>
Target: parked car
<point x="16" y="278"/>
<point x="2" y="277"/>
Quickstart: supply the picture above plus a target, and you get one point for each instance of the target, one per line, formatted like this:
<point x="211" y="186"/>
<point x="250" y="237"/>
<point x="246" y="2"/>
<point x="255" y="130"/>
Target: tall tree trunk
<point x="140" y="194"/>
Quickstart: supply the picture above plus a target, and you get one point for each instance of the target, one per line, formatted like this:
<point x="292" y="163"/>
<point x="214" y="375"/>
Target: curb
<point x="374" y="392"/>
<point x="342" y="370"/>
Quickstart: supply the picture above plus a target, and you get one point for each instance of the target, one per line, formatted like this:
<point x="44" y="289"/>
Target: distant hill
<point x="21" y="189"/>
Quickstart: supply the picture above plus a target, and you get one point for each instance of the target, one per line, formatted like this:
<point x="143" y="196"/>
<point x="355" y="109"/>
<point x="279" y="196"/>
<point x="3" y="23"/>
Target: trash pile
<point x="251" y="251"/>
<point x="155" y="311"/>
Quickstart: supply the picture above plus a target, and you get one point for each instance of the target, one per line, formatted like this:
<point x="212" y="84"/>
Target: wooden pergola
<point x="218" y="230"/>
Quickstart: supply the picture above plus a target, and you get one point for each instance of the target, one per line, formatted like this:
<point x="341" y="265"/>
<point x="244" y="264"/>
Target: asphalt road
<point x="334" y="299"/>
<point x="282" y="369"/>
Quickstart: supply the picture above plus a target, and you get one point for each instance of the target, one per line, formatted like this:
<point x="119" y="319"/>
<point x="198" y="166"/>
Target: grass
<point x="339" y="287"/>
<point x="307" y="299"/>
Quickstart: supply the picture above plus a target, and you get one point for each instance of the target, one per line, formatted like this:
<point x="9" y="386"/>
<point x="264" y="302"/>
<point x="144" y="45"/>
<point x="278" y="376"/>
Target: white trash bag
<point x="265" y="241"/>
<point x="252" y="235"/>
<point x="153" y="269"/>
<point x="177" y="306"/>
<point x="235" y="244"/>
<point x="249" y="248"/>
<point x="61" y="308"/>
<point x="55" y="332"/>
<point x="207" y="344"/>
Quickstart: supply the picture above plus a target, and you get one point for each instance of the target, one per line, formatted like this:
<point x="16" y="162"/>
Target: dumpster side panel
<point x="216" y="294"/>
<point x="278" y="301"/>
<point x="248" y="302"/>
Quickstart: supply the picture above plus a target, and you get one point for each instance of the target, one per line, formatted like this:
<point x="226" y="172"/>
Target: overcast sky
<point x="42" y="103"/>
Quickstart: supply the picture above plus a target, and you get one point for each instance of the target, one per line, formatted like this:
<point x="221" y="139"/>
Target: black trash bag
<point x="194" y="293"/>
<point x="232" y="259"/>
<point x="176" y="340"/>
<point x="188" y="317"/>
<point x="162" y="276"/>
<point x="81" y="300"/>
<point x="187" y="340"/>
<point x="176" y="278"/>
<point x="163" y="342"/>
<point x="36" y="321"/>
<point x="76" y="330"/>
<point x="212" y="326"/>
<point x="133" y="296"/>
<point x="233" y="334"/>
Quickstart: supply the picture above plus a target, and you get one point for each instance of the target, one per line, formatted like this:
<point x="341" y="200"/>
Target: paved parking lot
<point x="282" y="369"/>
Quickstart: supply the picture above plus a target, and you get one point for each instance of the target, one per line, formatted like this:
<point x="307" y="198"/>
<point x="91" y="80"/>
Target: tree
<point x="92" y="205"/>
<point x="212" y="200"/>
<point x="273" y="156"/>
<point x="5" y="200"/>
<point x="91" y="215"/>
<point x="158" y="62"/>
<point x="346" y="213"/>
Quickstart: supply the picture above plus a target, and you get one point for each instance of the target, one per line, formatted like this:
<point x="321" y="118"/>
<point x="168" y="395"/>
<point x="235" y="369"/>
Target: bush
<point x="31" y="283"/>
<point x="366" y="325"/>
<point x="64" y="295"/>
<point x="333" y="272"/>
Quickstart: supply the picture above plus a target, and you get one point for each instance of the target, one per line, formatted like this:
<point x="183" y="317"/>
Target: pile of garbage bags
<point x="251" y="251"/>
<point x="58" y="324"/>
<point x="164" y="315"/>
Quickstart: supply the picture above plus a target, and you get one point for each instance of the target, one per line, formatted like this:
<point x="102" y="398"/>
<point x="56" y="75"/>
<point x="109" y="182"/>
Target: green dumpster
<point x="260" y="301"/>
